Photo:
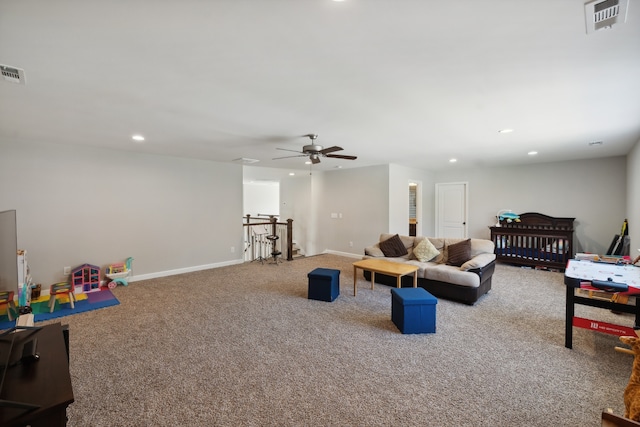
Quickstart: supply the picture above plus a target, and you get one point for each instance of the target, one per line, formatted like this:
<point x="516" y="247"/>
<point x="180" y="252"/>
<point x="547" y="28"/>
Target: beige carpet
<point x="242" y="345"/>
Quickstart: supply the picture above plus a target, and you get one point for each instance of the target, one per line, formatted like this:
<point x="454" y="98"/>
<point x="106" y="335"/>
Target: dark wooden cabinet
<point x="45" y="383"/>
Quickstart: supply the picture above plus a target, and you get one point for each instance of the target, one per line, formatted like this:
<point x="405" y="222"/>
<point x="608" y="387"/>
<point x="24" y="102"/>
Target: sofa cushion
<point x="448" y="274"/>
<point x="393" y="247"/>
<point x="478" y="261"/>
<point x="373" y="251"/>
<point x="425" y="251"/>
<point x="459" y="253"/>
<point x="481" y="246"/>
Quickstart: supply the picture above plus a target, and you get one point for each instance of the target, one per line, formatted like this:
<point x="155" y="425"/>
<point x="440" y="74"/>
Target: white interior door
<point x="451" y="210"/>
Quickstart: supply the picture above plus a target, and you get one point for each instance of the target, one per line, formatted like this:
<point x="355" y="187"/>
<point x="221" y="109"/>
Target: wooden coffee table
<point x="383" y="266"/>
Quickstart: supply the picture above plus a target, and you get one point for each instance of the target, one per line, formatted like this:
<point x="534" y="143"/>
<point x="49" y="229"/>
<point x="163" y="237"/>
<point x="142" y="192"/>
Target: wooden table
<point x="383" y="266"/>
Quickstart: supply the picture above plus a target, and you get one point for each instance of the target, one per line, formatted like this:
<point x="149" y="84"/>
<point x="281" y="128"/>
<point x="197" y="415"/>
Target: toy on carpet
<point x="6" y="299"/>
<point x="86" y="277"/>
<point x="119" y="273"/>
<point x="61" y="288"/>
<point x="632" y="392"/>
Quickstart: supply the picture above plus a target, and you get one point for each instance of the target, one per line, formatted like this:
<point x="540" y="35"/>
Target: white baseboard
<point x="183" y="270"/>
<point x="346" y="254"/>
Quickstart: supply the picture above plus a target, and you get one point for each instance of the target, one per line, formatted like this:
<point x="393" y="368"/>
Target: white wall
<point x="85" y="205"/>
<point x="593" y="191"/>
<point x="261" y="198"/>
<point x="633" y="198"/>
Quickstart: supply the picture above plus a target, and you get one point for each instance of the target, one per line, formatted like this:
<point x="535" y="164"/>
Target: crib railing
<point x="536" y="248"/>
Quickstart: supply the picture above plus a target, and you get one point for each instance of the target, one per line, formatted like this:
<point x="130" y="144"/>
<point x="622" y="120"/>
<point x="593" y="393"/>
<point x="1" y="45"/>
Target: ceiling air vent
<point x="245" y="161"/>
<point x="601" y="14"/>
<point x="12" y="74"/>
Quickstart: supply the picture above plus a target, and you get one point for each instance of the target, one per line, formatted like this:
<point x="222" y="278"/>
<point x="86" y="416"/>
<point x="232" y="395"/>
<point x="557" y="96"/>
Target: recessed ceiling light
<point x="453" y="160"/>
<point x="532" y="153"/>
<point x="308" y="162"/>
<point x="505" y="131"/>
<point x="291" y="173"/>
<point x="138" y="138"/>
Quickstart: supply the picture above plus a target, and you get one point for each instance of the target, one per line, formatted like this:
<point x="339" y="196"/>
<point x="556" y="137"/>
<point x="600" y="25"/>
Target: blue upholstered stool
<point x="413" y="310"/>
<point x="324" y="284"/>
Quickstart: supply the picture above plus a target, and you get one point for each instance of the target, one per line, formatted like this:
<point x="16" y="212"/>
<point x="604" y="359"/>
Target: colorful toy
<point x="508" y="215"/>
<point x="87" y="276"/>
<point x="6" y="298"/>
<point x="60" y="289"/>
<point x="118" y="273"/>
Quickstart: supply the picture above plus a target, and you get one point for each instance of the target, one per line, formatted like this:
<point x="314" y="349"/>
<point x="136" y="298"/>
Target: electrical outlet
<point x="233" y="249"/>
<point x="350" y="244"/>
<point x="66" y="270"/>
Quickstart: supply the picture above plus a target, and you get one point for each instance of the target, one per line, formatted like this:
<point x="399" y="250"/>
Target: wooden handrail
<point x="273" y="223"/>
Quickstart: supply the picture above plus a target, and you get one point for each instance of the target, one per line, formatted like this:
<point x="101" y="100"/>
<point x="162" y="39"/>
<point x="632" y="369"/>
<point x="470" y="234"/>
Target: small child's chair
<point x="6" y="298"/>
<point x="61" y="288"/>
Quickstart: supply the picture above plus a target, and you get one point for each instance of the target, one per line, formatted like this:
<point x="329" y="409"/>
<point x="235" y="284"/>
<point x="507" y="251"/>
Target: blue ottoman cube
<point x="324" y="284"/>
<point x="413" y="310"/>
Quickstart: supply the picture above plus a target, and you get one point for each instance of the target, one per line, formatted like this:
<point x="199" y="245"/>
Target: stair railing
<point x="256" y="244"/>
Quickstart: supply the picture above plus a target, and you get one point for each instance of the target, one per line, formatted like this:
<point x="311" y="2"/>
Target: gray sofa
<point x="466" y="283"/>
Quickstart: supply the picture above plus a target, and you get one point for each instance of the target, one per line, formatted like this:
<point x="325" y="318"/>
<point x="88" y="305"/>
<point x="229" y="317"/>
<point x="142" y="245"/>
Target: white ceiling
<point x="411" y="82"/>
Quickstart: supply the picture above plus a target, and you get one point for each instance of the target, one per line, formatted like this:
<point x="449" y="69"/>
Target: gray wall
<point x="375" y="199"/>
<point x="592" y="191"/>
<point x="84" y="205"/>
<point x="399" y="178"/>
<point x="371" y="200"/>
<point x="361" y="195"/>
<point x="633" y="198"/>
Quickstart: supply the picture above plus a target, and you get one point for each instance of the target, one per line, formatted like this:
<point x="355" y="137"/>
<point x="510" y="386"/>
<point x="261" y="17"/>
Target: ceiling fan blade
<point x="331" y="149"/>
<point x="315" y="160"/>
<point x="288" y="157"/>
<point x="286" y="149"/>
<point x="341" y="156"/>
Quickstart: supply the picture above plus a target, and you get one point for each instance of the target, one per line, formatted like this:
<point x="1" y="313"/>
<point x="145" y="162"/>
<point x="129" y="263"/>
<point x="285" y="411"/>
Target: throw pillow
<point x="425" y="251"/>
<point x="393" y="247"/>
<point x="459" y="253"/>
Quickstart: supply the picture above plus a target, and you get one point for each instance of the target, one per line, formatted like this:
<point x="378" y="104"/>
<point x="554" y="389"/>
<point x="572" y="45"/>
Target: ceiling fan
<point x="314" y="151"/>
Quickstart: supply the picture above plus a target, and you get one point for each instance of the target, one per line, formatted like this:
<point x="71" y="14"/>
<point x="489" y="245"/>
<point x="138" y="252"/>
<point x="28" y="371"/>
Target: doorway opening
<point x="415" y="208"/>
